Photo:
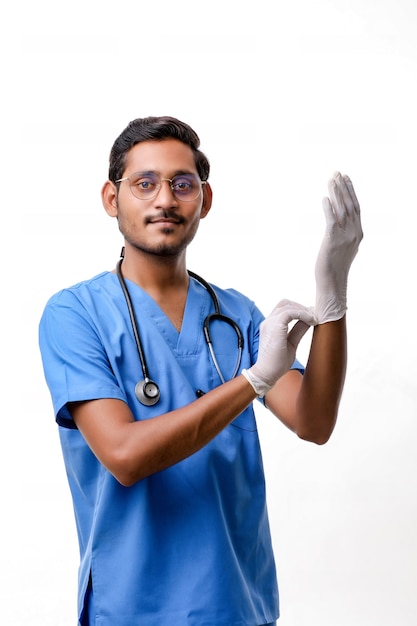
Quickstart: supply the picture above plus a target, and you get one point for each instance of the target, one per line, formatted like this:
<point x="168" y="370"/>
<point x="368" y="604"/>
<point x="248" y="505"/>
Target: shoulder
<point x="234" y="297"/>
<point x="81" y="290"/>
<point x="83" y="302"/>
<point x="237" y="304"/>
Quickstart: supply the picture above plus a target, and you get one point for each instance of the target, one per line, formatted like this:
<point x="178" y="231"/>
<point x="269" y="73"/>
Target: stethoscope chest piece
<point x="147" y="392"/>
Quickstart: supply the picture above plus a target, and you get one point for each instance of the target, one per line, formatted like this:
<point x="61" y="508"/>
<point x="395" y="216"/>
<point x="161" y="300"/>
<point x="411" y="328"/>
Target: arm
<point x="309" y="405"/>
<point x="132" y="450"/>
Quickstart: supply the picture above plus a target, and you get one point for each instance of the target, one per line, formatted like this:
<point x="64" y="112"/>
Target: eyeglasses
<point x="146" y="185"/>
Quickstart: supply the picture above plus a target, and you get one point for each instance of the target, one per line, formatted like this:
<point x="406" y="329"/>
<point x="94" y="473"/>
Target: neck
<point x="154" y="273"/>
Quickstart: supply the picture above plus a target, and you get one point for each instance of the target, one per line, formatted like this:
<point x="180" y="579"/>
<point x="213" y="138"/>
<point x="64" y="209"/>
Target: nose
<point x="165" y="195"/>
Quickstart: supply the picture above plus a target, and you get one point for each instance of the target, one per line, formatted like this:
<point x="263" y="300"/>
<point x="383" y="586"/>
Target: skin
<point x="157" y="233"/>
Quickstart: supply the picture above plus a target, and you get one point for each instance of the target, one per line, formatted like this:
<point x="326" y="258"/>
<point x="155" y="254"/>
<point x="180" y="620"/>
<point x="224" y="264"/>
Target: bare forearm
<point x="137" y="449"/>
<point x="165" y="440"/>
<point x="323" y="381"/>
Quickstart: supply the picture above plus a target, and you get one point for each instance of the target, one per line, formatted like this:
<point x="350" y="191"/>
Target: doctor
<point x="156" y="419"/>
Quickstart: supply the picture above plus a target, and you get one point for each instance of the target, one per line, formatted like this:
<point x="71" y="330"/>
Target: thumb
<point x="297" y="332"/>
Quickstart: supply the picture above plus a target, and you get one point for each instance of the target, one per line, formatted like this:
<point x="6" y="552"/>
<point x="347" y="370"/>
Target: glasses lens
<point x="186" y="187"/>
<point x="145" y="185"/>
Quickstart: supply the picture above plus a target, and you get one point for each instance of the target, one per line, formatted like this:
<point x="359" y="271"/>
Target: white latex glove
<point x="278" y="345"/>
<point x="338" y="249"/>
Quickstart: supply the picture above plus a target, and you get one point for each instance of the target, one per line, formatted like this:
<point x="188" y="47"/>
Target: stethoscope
<point x="147" y="390"/>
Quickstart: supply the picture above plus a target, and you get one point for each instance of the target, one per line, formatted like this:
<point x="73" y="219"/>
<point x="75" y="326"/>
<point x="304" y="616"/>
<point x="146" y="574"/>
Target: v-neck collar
<point x="197" y="307"/>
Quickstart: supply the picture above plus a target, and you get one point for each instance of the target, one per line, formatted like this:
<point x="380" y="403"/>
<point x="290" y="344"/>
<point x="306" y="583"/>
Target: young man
<point x="153" y="373"/>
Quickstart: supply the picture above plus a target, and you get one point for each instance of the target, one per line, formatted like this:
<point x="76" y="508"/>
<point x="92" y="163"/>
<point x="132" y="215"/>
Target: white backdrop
<point x="286" y="91"/>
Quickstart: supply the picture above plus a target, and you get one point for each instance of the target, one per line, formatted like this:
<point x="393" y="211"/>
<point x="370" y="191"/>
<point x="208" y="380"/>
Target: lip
<point x="164" y="220"/>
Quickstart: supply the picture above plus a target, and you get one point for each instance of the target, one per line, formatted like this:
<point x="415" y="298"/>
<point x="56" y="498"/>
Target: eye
<point x="144" y="182"/>
<point x="184" y="184"/>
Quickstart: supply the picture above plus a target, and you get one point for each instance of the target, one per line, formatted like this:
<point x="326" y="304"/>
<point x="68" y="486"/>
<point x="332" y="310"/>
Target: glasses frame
<point x="158" y="189"/>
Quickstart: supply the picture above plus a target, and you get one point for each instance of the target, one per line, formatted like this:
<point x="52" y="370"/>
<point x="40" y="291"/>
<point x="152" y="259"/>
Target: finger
<point x="345" y="193"/>
<point x="352" y="193"/>
<point x="329" y="214"/>
<point x="339" y="195"/>
<point x="297" y="332"/>
<point x="287" y="311"/>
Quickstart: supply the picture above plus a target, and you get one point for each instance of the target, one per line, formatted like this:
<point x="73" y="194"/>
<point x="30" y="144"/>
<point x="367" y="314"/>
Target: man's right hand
<point x="278" y="344"/>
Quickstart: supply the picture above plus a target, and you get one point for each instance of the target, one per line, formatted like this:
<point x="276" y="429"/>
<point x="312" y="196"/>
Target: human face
<point x="164" y="225"/>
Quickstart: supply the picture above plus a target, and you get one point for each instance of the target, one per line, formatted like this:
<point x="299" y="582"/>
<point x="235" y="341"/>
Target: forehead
<point x="166" y="157"/>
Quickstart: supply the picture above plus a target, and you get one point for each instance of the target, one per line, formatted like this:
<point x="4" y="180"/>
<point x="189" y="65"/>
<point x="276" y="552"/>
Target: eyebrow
<point x="176" y="173"/>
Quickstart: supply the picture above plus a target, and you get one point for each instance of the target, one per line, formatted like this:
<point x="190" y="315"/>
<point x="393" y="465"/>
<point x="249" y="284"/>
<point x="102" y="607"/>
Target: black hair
<point x="155" y="129"/>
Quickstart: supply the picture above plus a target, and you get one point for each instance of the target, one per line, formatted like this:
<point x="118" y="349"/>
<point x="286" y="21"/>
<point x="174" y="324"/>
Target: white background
<point x="286" y="92"/>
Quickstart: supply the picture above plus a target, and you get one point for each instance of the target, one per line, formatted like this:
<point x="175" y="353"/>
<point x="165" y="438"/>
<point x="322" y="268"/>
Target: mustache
<point x="167" y="214"/>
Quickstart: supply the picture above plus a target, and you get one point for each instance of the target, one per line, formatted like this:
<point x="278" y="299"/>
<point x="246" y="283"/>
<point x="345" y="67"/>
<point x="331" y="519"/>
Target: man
<point x="155" y="412"/>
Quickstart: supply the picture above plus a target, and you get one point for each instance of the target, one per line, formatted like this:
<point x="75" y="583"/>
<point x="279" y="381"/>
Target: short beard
<point x="162" y="250"/>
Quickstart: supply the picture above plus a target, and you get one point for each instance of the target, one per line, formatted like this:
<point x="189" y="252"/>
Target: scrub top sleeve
<point x="75" y="363"/>
<point x="257" y="318"/>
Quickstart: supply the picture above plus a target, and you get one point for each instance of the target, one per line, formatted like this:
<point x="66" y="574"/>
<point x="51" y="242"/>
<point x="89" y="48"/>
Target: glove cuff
<point x="259" y="386"/>
<point x="329" y="309"/>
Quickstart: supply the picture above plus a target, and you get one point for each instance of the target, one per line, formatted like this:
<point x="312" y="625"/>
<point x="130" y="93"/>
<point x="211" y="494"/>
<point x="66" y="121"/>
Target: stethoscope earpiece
<point x="147" y="392"/>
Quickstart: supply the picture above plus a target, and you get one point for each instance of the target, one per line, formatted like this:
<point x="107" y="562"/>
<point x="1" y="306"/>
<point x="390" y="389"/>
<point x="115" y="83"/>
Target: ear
<point x="207" y="200"/>
<point x="109" y="198"/>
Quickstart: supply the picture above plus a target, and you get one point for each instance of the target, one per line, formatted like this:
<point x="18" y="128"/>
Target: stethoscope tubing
<point x="147" y="391"/>
<point x="132" y="315"/>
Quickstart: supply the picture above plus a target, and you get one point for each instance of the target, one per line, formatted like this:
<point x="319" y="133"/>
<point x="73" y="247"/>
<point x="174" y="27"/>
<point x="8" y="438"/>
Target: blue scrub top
<point x="190" y="545"/>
